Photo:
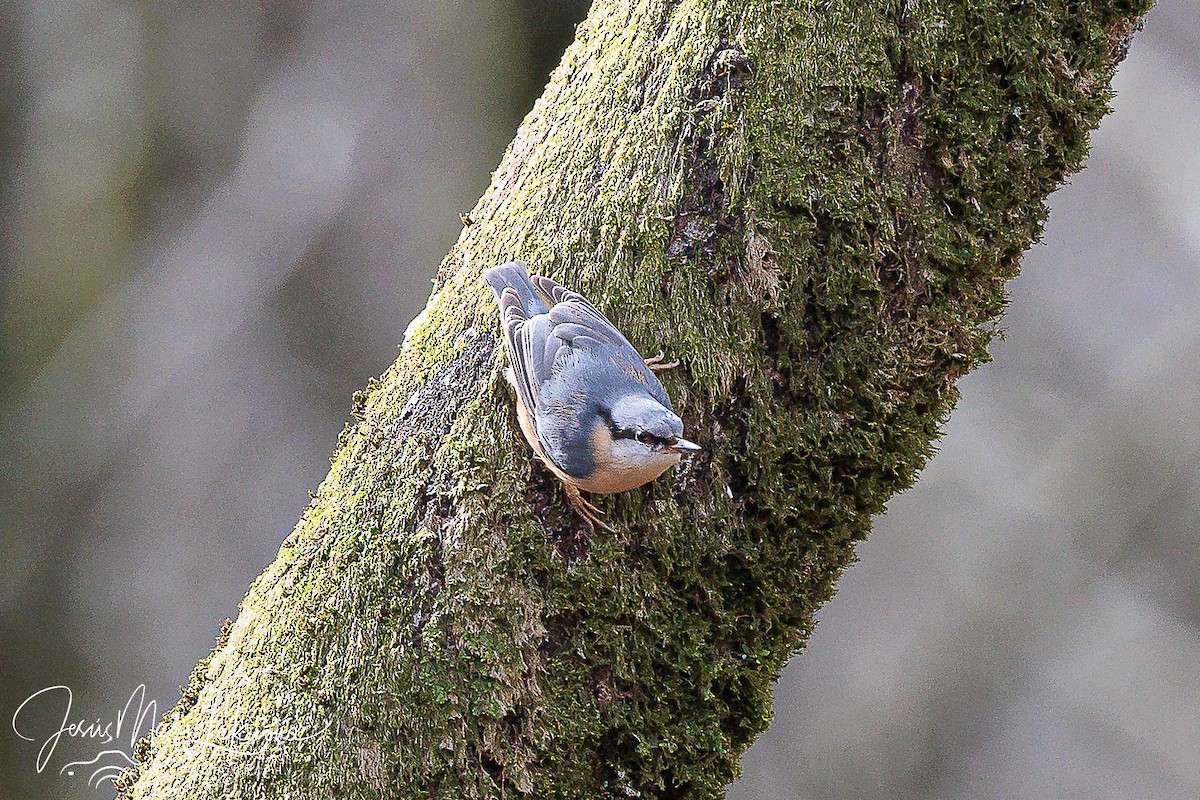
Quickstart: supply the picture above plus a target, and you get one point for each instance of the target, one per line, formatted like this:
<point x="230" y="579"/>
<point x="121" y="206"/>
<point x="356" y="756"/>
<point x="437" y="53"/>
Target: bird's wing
<point x="536" y="345"/>
<point x="571" y="308"/>
<point x="518" y="342"/>
<point x="582" y="325"/>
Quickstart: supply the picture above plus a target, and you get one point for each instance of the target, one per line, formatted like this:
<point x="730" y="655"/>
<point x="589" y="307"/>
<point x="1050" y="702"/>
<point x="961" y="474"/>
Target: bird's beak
<point x="684" y="446"/>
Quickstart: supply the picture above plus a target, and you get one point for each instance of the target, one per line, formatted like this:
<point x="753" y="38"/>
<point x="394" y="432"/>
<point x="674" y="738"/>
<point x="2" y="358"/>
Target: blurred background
<point x="217" y="221"/>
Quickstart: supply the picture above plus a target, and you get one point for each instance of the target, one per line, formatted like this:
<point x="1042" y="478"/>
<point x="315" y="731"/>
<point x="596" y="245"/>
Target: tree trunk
<point x="814" y="208"/>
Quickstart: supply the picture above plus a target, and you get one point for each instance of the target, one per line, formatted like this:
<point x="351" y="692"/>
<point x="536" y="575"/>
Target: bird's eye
<point x="646" y="438"/>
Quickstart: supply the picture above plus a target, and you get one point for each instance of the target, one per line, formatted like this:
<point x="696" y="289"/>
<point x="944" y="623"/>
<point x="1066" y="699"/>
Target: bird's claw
<point x="591" y="515"/>
<point x="656" y="363"/>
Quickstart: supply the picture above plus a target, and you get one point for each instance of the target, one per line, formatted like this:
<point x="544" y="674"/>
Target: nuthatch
<point x="588" y="403"/>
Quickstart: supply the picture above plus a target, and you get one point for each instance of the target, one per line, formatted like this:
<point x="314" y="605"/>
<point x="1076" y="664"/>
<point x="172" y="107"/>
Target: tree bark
<point x="814" y="208"/>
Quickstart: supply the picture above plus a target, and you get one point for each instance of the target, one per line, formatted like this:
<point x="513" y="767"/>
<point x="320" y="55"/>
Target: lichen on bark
<point x="814" y="208"/>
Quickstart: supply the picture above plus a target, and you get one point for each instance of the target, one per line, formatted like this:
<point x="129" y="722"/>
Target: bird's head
<point x="646" y="434"/>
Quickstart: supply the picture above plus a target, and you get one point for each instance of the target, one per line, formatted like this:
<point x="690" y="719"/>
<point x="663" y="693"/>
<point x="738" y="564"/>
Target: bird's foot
<point x="656" y="363"/>
<point x="591" y="515"/>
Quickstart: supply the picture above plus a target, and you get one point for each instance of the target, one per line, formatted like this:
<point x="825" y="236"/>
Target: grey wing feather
<point x="572" y="308"/>
<point x="533" y="347"/>
<point x="516" y="339"/>
<point x="584" y="326"/>
<point x="543" y="349"/>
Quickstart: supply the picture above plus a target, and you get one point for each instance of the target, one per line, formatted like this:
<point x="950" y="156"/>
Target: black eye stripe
<point x="644" y="437"/>
<point x="616" y="431"/>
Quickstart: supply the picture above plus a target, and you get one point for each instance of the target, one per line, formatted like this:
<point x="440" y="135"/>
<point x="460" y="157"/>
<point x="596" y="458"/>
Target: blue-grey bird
<point x="590" y="406"/>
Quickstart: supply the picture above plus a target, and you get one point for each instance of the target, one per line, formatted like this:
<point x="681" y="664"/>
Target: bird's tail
<point x="515" y="275"/>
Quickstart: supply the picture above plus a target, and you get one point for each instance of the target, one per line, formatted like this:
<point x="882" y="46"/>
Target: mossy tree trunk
<point x="814" y="207"/>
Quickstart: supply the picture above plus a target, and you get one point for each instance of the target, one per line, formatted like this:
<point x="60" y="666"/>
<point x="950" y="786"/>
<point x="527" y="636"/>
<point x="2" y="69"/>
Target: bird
<point x="588" y="403"/>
